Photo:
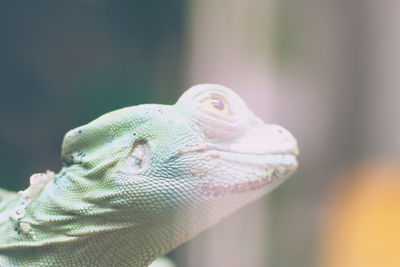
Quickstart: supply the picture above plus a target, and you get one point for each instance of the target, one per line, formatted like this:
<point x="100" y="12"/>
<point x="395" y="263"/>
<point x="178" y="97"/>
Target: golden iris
<point x="217" y="104"/>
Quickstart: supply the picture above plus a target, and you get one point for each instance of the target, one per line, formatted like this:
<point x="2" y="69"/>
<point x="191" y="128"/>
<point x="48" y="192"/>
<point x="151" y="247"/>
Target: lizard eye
<point x="217" y="104"/>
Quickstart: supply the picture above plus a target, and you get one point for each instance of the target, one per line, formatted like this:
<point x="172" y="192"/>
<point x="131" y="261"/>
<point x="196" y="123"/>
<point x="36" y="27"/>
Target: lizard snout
<point x="266" y="139"/>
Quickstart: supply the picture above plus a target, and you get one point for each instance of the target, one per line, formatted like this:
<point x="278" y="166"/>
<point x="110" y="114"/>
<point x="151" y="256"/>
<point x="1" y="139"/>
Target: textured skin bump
<point x="139" y="181"/>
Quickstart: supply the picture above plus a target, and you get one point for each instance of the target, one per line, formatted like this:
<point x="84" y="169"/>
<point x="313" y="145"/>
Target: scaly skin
<point x="139" y="181"/>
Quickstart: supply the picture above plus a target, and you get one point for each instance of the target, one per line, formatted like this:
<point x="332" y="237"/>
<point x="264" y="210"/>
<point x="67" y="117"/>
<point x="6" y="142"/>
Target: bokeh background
<point x="326" y="70"/>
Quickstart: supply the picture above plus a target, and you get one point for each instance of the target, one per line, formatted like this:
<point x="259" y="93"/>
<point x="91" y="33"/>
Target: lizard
<point x="139" y="181"/>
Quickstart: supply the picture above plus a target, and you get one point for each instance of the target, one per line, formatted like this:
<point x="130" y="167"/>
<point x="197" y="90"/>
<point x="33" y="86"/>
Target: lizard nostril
<point x="283" y="134"/>
<point x="279" y="132"/>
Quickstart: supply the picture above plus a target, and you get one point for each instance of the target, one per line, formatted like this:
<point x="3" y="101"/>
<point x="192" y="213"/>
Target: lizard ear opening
<point x="138" y="159"/>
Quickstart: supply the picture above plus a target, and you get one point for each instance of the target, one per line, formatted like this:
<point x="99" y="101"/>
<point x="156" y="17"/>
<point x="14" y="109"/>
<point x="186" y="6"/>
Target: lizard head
<point x="240" y="152"/>
<point x="176" y="169"/>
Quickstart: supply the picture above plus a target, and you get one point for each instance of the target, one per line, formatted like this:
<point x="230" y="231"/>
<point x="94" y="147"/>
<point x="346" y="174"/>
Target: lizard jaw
<point x="257" y="172"/>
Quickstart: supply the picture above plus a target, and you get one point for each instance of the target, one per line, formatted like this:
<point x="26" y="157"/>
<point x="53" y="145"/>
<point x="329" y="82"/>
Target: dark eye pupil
<point x="218" y="104"/>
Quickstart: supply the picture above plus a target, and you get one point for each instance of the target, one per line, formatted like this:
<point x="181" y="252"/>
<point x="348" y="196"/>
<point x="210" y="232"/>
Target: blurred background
<point x="326" y="70"/>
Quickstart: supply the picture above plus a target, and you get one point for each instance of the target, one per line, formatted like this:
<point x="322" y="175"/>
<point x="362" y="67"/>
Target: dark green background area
<point x="63" y="63"/>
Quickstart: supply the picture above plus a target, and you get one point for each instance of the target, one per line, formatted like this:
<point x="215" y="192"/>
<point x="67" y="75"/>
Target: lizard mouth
<point x="250" y="172"/>
<point x="278" y="159"/>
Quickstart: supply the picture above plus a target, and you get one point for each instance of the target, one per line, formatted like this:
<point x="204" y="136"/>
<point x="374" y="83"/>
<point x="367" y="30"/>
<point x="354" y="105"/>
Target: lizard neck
<point x="88" y="226"/>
